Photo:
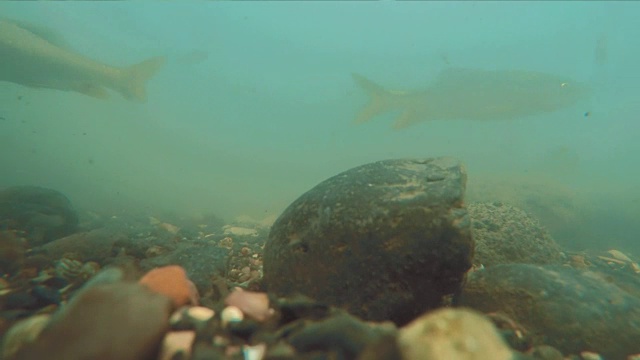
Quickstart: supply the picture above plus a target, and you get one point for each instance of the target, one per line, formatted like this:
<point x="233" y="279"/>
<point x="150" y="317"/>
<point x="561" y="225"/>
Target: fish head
<point x="553" y="93"/>
<point x="573" y="91"/>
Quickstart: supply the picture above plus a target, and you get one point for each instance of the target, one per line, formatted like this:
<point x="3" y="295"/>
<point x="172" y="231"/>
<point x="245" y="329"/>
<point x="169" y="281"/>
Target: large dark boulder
<point x="569" y="309"/>
<point x="385" y="241"/>
<point x="43" y="214"/>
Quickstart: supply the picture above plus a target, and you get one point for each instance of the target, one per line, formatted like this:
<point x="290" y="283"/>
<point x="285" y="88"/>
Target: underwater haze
<point x="256" y="105"/>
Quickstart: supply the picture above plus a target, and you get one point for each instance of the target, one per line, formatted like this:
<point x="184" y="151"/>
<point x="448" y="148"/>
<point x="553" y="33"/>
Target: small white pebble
<point x="176" y="341"/>
<point x="231" y="314"/>
<point x="588" y="355"/>
<point x="176" y="317"/>
<point x="220" y="341"/>
<point x="255" y="352"/>
<point x="200" y="313"/>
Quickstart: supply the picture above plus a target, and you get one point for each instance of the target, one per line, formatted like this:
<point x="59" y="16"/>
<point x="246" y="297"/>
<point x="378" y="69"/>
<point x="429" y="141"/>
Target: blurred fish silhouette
<point x="35" y="57"/>
<point x="472" y="94"/>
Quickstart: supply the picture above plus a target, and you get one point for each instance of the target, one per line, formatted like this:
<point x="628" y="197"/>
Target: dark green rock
<point x="43" y="214"/>
<point x="385" y="241"/>
<point x="571" y="310"/>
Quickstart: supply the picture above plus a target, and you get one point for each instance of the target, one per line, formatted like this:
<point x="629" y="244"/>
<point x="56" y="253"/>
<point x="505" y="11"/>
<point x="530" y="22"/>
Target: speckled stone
<point x="506" y="234"/>
<point x="452" y="334"/>
<point x="385" y="241"/>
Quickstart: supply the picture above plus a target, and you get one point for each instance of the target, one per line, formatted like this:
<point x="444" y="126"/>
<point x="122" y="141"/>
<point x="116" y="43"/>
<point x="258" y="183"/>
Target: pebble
<point x="170" y="281"/>
<point x="121" y="321"/>
<point x="46" y="295"/>
<point x="251" y="303"/>
<point x="231" y="314"/>
<point x="177" y="344"/>
<point x="20" y="300"/>
<point x="21" y="333"/>
<point x="588" y="355"/>
<point x="452" y="334"/>
<point x="200" y="313"/>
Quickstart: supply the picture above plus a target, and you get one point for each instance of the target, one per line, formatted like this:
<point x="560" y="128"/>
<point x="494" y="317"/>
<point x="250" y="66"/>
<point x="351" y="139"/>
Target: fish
<point x="34" y="60"/>
<point x="41" y="31"/>
<point x="473" y="94"/>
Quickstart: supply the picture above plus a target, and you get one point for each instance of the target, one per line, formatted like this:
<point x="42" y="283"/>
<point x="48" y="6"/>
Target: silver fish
<point x="30" y="59"/>
<point x="472" y="94"/>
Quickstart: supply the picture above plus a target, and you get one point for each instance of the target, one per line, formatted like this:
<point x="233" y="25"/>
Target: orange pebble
<point x="170" y="281"/>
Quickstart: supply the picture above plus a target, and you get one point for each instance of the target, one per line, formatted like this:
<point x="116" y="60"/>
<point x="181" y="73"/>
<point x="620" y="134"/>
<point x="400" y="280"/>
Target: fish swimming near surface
<point x="29" y="58"/>
<point x="472" y="94"/>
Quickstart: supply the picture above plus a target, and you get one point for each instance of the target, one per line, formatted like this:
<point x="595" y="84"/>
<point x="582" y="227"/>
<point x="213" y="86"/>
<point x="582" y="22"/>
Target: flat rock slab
<point x="569" y="309"/>
<point x="385" y="241"/>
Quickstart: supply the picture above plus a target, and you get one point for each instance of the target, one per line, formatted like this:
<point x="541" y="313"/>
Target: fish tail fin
<point x="379" y="101"/>
<point x="136" y="77"/>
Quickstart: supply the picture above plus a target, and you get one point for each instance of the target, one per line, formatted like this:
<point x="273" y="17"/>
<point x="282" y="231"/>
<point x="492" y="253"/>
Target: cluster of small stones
<point x="244" y="267"/>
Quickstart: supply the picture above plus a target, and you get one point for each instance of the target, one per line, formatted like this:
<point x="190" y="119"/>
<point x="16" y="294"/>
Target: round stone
<point x="385" y="241"/>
